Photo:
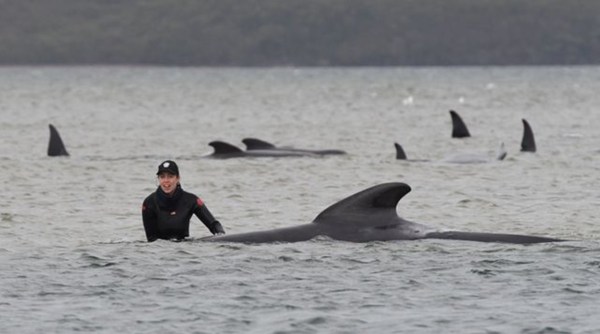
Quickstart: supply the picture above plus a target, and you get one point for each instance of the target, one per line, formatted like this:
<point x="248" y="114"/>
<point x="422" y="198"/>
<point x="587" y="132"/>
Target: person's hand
<point x="217" y="228"/>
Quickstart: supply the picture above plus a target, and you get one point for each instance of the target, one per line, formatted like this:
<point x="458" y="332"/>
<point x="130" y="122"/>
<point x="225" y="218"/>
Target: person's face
<point x="168" y="182"/>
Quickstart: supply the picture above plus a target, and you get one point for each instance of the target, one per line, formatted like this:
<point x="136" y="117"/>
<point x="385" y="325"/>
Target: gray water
<point x="73" y="256"/>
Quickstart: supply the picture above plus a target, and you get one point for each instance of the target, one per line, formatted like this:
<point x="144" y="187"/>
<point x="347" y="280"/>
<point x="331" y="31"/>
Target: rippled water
<point x="72" y="249"/>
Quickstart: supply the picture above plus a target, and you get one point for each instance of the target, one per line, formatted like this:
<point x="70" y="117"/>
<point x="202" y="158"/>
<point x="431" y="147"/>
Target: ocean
<point x="73" y="255"/>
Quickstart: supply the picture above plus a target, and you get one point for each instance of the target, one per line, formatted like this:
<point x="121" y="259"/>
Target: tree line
<point x="300" y="32"/>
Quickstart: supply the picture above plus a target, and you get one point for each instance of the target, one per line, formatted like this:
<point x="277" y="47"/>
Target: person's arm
<point x="202" y="212"/>
<point x="150" y="221"/>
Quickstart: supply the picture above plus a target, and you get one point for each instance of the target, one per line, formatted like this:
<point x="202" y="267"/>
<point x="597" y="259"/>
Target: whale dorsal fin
<point x="400" y="155"/>
<point x="257" y="144"/>
<point x="360" y="208"/>
<point x="501" y="152"/>
<point x="459" y="129"/>
<point x="222" y="147"/>
<point x="56" y="147"/>
<point x="528" y="142"/>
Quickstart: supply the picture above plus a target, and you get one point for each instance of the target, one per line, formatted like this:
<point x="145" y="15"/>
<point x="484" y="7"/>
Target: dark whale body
<point x="253" y="144"/>
<point x="370" y="215"/>
<point x="223" y="150"/>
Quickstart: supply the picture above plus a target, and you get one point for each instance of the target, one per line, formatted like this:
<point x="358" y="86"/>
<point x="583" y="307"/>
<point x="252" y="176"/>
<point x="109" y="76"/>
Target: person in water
<point x="167" y="211"/>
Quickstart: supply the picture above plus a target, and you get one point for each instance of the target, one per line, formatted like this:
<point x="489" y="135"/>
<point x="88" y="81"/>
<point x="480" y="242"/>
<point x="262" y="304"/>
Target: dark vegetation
<point x="300" y="32"/>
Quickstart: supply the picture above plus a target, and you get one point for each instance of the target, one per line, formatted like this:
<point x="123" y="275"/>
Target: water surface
<point x="73" y="255"/>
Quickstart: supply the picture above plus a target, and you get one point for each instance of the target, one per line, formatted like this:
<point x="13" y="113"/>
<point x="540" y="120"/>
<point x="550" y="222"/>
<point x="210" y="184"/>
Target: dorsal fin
<point x="257" y="144"/>
<point x="528" y="142"/>
<point x="400" y="155"/>
<point x="55" y="145"/>
<point x="459" y="129"/>
<point x="222" y="147"/>
<point x="382" y="198"/>
<point x="501" y="152"/>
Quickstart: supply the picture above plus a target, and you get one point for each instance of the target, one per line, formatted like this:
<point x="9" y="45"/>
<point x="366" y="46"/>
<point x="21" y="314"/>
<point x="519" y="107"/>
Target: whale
<point x="459" y="128"/>
<point x="458" y="158"/>
<point x="253" y="144"/>
<point x="224" y="150"/>
<point x="401" y="155"/>
<point x="528" y="141"/>
<point x="56" y="147"/>
<point x="370" y="215"/>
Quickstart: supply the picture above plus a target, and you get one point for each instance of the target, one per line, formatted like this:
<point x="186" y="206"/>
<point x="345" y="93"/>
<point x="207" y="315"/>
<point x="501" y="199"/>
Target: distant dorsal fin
<point x="257" y="144"/>
<point x="501" y="152"/>
<point x="459" y="129"/>
<point x="56" y="147"/>
<point x="382" y="198"/>
<point x="400" y="155"/>
<point x="222" y="147"/>
<point x="528" y="142"/>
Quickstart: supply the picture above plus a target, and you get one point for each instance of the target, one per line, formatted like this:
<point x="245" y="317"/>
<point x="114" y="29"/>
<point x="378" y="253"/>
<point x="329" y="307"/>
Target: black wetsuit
<point x="169" y="217"/>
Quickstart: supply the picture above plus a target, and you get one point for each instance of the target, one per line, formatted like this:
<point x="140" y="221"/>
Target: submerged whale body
<point x="462" y="158"/>
<point x="56" y="147"/>
<point x="370" y="215"/>
<point x="253" y="144"/>
<point x="459" y="128"/>
<point x="223" y="150"/>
